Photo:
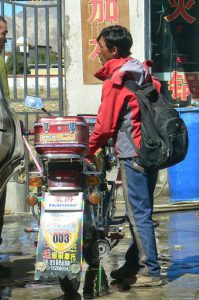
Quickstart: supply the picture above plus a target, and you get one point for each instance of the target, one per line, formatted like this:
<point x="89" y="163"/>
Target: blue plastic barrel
<point x="184" y="177"/>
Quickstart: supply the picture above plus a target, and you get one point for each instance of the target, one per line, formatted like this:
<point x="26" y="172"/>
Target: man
<point x="4" y="271"/>
<point x="119" y="105"/>
<point x="3" y="71"/>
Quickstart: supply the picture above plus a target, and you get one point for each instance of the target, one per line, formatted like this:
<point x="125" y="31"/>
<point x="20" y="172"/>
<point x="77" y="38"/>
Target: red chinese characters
<point x="103" y="10"/>
<point x="183" y="85"/>
<point x="181" y="9"/>
<point x="111" y="11"/>
<point x="95" y="52"/>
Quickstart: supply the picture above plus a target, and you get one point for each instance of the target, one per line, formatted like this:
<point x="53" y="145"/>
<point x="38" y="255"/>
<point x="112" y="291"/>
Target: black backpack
<point x="164" y="135"/>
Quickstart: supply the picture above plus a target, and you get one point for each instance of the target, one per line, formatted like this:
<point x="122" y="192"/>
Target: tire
<point x="92" y="287"/>
<point x="69" y="287"/>
<point x="104" y="285"/>
<point x="91" y="254"/>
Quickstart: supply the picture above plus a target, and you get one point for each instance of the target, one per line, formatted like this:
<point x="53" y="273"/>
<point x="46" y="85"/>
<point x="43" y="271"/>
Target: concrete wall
<point x="81" y="98"/>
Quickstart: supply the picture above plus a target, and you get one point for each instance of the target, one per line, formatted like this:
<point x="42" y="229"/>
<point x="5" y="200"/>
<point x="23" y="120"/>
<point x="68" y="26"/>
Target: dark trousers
<point x="138" y="188"/>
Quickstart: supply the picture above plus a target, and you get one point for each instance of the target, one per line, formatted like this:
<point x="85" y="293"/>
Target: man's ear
<point x="115" y="52"/>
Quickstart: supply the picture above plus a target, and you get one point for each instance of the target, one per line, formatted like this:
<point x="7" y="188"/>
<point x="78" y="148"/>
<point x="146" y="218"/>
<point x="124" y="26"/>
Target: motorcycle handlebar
<point x="24" y="131"/>
<point x="29" y="132"/>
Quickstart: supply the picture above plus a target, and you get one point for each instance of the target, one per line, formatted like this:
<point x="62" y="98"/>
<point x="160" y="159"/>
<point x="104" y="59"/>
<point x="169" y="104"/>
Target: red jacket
<point x="119" y="104"/>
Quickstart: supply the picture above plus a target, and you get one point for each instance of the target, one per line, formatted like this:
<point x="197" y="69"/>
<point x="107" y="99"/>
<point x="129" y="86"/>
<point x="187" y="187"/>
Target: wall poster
<point x="95" y="15"/>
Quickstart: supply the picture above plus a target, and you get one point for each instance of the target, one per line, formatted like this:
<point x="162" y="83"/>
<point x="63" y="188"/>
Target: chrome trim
<point x="64" y="189"/>
<point x="62" y="156"/>
<point x="63" y="123"/>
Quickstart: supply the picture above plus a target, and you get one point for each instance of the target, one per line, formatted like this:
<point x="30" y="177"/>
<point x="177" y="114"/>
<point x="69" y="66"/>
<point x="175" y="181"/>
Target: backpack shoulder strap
<point x="131" y="85"/>
<point x="143" y="95"/>
<point x="147" y="89"/>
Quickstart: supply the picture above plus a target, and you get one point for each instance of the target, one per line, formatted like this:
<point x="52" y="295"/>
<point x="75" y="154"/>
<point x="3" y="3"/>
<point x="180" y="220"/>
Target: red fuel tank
<point x="61" y="135"/>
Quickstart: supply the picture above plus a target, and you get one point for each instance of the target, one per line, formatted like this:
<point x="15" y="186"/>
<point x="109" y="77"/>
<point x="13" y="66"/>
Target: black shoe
<point x="5" y="271"/>
<point x="123" y="272"/>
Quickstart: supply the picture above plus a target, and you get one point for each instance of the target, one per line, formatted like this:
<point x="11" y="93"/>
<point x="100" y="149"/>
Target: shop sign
<point x="184" y="84"/>
<point x="181" y="8"/>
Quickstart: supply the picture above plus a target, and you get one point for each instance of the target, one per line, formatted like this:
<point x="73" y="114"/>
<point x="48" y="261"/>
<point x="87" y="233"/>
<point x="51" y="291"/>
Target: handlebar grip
<point x="28" y="132"/>
<point x="31" y="132"/>
<point x="110" y="142"/>
<point x="24" y="131"/>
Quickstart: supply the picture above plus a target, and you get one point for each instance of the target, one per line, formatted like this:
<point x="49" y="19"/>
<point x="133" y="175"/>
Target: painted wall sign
<point x="95" y="15"/>
<point x="184" y="84"/>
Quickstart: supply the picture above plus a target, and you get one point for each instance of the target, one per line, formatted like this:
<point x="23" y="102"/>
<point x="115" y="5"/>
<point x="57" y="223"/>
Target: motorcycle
<point x="70" y="197"/>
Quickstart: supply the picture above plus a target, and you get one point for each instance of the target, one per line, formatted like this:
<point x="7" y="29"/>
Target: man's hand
<point x="98" y="158"/>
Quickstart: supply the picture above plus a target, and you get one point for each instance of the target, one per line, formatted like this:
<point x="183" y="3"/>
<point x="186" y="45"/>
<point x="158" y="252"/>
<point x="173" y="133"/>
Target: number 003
<point x="60" y="238"/>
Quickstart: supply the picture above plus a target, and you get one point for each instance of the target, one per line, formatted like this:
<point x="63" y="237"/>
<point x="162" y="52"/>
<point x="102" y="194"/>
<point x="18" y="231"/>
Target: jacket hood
<point x="116" y="69"/>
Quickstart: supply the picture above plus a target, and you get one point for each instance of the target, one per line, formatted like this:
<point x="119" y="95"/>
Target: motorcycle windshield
<point x="11" y="145"/>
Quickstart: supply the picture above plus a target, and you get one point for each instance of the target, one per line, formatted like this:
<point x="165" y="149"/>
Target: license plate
<point x="59" y="245"/>
<point x="58" y="137"/>
<point x="72" y="202"/>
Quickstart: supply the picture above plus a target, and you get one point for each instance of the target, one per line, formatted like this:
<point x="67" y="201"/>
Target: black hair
<point x="3" y="20"/>
<point x="117" y="36"/>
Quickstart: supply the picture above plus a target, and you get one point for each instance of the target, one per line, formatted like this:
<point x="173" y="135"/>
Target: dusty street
<point x="178" y="248"/>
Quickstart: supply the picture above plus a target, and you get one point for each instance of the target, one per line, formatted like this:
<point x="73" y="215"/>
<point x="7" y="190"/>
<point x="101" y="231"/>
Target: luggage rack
<point x="60" y="157"/>
<point x="88" y="167"/>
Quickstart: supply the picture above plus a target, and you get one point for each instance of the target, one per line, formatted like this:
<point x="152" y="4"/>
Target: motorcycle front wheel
<point x="69" y="287"/>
